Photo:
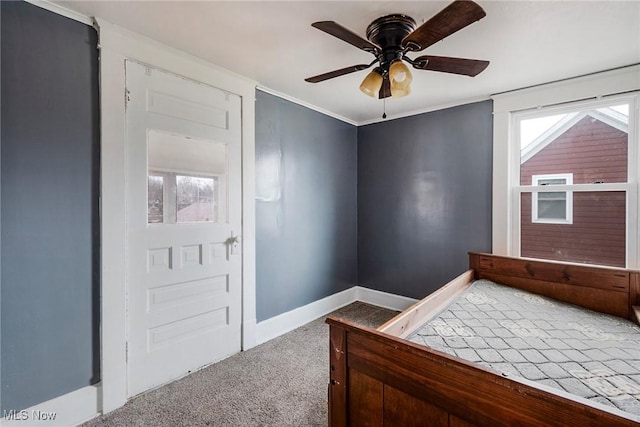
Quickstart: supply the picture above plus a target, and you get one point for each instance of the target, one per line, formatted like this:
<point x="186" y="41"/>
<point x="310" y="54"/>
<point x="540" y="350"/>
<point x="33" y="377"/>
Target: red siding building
<point x="590" y="227"/>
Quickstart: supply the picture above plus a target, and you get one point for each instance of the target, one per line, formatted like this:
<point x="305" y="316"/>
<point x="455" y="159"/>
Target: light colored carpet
<point x="280" y="383"/>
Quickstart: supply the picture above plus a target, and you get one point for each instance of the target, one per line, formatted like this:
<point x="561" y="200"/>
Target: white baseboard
<point x="286" y="322"/>
<point x="249" y="338"/>
<point x="67" y="410"/>
<point x="384" y="299"/>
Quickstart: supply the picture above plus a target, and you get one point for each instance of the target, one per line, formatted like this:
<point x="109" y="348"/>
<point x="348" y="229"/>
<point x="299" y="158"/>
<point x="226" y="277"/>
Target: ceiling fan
<point x="391" y="37"/>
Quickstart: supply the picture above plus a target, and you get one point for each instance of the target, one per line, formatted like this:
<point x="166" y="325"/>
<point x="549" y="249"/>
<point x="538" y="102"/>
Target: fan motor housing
<point x="388" y="32"/>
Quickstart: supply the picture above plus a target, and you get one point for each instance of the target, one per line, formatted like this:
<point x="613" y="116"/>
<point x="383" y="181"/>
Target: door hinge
<point x="127" y="97"/>
<point x="126" y="351"/>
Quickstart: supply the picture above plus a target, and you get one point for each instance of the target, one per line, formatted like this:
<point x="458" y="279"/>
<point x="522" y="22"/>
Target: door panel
<point x="184" y="276"/>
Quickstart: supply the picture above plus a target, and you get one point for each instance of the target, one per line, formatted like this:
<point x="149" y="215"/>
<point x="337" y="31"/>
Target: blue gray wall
<point x="424" y="198"/>
<point x="49" y="147"/>
<point x="393" y="206"/>
<point x="306" y="223"/>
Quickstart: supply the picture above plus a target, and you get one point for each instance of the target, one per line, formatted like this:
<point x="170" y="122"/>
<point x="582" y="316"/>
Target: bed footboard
<point x="377" y="379"/>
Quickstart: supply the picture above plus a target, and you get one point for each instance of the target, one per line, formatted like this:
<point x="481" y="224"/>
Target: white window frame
<point x="568" y="215"/>
<point x="169" y="189"/>
<point x="620" y="85"/>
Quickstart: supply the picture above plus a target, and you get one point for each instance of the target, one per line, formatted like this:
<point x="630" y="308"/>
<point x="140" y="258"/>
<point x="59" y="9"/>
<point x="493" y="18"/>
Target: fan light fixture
<point x="372" y="83"/>
<point x="391" y="38"/>
<point x="399" y="76"/>
<point x="401" y="79"/>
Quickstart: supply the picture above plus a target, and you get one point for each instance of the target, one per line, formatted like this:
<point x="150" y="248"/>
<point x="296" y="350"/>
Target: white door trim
<point x="117" y="45"/>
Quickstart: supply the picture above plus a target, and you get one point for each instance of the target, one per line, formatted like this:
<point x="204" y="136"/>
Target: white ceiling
<point x="527" y="42"/>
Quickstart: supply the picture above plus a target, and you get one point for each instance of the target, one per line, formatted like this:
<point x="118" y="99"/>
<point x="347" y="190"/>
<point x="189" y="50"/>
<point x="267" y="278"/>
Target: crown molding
<point x="306" y="104"/>
<point x="60" y="10"/>
<point x="426" y="110"/>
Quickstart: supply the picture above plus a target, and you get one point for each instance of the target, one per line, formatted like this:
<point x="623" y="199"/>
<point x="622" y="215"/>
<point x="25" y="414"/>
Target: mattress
<point x="559" y="345"/>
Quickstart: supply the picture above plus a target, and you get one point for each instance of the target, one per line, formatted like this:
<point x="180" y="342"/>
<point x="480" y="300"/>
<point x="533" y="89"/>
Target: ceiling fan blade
<point x="344" y="34"/>
<point x="385" y="90"/>
<point x="452" y="18"/>
<point x="445" y="64"/>
<point x="337" y="73"/>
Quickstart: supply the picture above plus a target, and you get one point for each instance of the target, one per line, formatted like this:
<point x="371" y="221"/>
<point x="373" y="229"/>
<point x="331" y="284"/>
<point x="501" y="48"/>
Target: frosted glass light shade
<point x="397" y="92"/>
<point x="372" y="83"/>
<point x="401" y="79"/>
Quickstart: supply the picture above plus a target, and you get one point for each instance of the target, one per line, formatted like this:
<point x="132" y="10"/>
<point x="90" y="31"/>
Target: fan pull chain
<point x="384" y="108"/>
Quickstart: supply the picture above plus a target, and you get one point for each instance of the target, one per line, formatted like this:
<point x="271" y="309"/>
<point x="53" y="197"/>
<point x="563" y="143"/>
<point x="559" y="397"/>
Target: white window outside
<point x="187" y="179"/>
<point x="552" y="207"/>
<point x="182" y="198"/>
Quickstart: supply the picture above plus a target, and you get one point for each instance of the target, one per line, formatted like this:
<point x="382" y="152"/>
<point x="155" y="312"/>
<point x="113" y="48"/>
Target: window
<point x="187" y="179"/>
<point x="155" y="199"/>
<point x="574" y="179"/>
<point x="605" y="196"/>
<point x="196" y="198"/>
<point x="552" y="207"/>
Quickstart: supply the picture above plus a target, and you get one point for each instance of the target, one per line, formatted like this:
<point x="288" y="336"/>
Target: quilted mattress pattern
<point x="517" y="333"/>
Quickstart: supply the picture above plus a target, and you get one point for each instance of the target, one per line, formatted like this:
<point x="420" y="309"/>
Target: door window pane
<point x="155" y="209"/>
<point x="195" y="199"/>
<point x="187" y="179"/>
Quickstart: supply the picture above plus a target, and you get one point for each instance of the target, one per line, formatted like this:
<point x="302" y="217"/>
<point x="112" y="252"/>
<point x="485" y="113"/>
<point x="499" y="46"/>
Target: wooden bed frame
<point x="378" y="378"/>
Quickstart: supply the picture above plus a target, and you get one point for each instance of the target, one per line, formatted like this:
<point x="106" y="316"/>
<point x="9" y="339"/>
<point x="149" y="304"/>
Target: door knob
<point x="234" y="243"/>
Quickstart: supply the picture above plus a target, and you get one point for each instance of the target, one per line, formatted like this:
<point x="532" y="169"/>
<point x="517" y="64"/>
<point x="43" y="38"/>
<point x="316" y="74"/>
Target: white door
<point x="183" y="225"/>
